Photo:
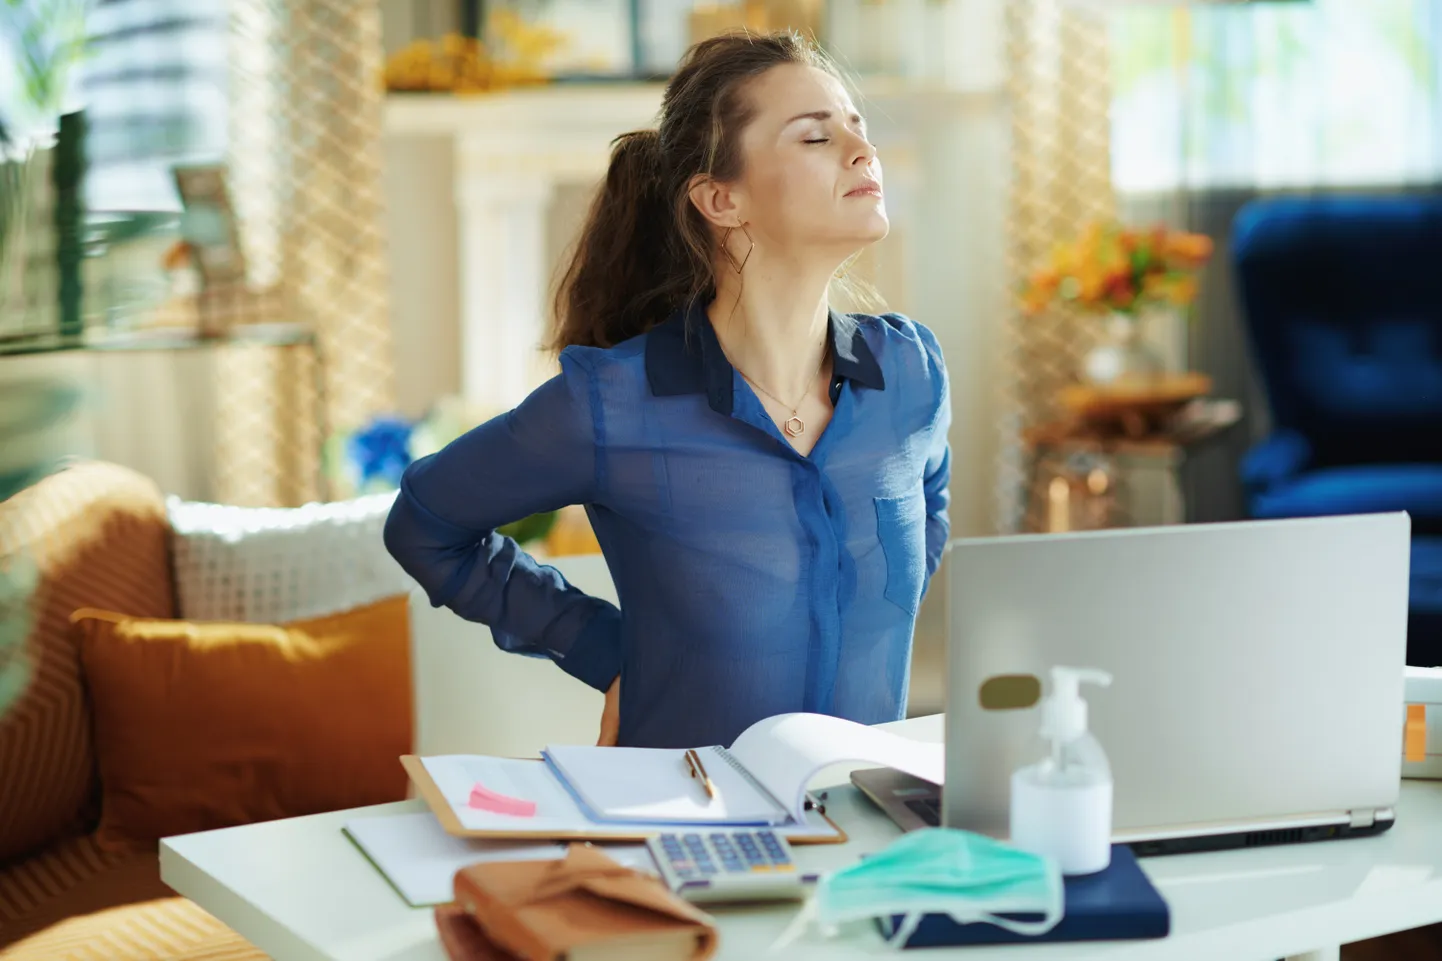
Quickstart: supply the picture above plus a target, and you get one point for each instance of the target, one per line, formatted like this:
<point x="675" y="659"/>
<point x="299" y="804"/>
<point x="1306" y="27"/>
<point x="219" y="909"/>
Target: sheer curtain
<point x="1215" y="105"/>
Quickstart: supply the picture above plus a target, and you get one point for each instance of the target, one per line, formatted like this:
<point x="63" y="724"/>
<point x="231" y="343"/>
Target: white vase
<point x="1121" y="356"/>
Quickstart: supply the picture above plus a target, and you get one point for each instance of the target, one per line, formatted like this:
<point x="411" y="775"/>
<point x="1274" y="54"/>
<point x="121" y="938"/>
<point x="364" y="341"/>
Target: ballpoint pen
<point x="698" y="770"/>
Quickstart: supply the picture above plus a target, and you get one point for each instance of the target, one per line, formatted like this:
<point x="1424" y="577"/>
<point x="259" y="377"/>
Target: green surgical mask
<point x="966" y="876"/>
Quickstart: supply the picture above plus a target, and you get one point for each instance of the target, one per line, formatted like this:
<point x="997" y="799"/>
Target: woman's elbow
<point x="408" y="541"/>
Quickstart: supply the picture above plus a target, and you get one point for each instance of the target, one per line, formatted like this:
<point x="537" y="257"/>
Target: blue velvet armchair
<point x="1343" y="300"/>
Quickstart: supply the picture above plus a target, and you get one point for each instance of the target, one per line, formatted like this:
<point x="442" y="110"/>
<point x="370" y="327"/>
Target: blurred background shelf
<point x="159" y="339"/>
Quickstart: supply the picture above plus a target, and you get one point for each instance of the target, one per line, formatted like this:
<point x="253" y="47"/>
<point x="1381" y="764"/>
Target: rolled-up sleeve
<point x="541" y="456"/>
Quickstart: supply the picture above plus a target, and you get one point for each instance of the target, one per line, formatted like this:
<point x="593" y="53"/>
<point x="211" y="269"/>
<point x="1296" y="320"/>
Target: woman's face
<point x="810" y="178"/>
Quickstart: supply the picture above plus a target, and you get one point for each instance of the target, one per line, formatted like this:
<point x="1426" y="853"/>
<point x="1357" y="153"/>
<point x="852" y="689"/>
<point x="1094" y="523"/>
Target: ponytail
<point x="623" y="278"/>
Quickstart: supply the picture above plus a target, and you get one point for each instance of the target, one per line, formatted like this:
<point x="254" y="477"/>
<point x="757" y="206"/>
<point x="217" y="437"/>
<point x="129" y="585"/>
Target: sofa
<point x="1342" y="298"/>
<point x="97" y="539"/>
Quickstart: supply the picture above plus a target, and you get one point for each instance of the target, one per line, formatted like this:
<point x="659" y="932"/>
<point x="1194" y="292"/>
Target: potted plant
<point x="372" y="458"/>
<point x="1120" y="274"/>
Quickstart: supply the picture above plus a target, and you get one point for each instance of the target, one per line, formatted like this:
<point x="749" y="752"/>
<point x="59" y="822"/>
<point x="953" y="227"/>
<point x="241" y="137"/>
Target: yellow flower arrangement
<point x="458" y="64"/>
<point x="1109" y="268"/>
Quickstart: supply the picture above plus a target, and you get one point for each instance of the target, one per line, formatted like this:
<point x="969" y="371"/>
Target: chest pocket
<point x="901" y="528"/>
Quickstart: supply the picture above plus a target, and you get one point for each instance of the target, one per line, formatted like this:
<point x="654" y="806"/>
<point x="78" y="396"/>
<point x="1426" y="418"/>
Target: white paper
<point x="420" y="859"/>
<point x="456" y="774"/>
<point x="785" y="752"/>
<point x="651" y="786"/>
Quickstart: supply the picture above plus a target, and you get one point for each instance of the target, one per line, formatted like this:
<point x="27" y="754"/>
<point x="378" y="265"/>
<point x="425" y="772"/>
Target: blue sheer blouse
<point x="752" y="580"/>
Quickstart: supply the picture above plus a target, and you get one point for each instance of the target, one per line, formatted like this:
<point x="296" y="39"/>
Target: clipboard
<point x="431" y="793"/>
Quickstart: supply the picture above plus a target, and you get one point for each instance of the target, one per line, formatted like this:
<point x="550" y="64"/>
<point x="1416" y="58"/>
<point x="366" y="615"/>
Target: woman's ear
<point x="718" y="202"/>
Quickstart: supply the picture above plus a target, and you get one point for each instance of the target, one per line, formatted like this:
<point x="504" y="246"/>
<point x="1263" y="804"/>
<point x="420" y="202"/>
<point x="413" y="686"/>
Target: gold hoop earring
<point x="727" y="250"/>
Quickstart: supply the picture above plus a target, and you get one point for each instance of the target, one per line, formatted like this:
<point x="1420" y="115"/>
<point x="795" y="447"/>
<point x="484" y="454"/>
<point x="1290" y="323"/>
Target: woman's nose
<point x="863" y="152"/>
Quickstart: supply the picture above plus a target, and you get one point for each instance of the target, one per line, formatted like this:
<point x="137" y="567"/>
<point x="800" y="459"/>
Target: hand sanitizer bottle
<point x="1061" y="807"/>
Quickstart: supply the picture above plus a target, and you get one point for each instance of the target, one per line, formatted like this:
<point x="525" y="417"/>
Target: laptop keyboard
<point x="926" y="808"/>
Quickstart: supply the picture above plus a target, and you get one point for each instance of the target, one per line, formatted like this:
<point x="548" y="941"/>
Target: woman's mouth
<point x="869" y="189"/>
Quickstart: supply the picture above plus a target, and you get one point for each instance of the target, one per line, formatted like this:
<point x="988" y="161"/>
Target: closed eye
<point x="818" y="140"/>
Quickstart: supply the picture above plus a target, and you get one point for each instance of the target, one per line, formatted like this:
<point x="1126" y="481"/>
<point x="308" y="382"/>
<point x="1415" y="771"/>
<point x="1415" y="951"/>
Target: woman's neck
<point x="772" y="322"/>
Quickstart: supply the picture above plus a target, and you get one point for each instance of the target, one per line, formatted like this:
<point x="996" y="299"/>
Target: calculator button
<point x="709" y="868"/>
<point x="783" y="867"/>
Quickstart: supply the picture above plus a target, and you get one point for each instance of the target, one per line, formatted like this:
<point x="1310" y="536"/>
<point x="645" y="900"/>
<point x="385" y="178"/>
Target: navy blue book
<point x="1117" y="904"/>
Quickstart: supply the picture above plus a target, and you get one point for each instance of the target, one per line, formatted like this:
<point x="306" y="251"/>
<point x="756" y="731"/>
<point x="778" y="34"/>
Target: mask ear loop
<point x="904" y="930"/>
<point x="1055" y="911"/>
<point x="797" y="927"/>
<point x="1052" y="917"/>
<point x="1025" y="928"/>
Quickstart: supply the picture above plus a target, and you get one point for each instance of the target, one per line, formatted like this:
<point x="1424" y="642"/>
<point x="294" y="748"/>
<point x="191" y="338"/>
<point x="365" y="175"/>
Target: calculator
<point x="732" y="864"/>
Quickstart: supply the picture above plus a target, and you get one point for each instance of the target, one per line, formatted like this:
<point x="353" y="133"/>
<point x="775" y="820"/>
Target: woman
<point x="767" y="478"/>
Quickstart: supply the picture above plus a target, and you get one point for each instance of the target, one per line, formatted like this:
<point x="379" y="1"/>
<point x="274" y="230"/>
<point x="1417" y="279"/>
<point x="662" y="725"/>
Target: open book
<point x="761" y="779"/>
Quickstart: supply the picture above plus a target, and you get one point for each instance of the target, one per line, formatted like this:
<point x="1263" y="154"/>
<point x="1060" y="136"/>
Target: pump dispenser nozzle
<point x="1064" y="712"/>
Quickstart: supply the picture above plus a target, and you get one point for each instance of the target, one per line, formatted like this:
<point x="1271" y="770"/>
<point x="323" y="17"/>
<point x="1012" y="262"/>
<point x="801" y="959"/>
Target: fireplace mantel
<point x="511" y="151"/>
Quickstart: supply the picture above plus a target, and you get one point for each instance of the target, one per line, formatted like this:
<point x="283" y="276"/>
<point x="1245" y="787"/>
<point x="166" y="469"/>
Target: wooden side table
<point x="1081" y="478"/>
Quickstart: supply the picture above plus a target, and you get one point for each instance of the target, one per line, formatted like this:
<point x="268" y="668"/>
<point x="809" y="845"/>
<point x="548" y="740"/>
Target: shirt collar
<point x="683" y="356"/>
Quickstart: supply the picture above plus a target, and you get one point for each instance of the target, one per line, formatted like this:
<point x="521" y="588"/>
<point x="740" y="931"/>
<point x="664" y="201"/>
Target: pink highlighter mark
<point x="485" y="799"/>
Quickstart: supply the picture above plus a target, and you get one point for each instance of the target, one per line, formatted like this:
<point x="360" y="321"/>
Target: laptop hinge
<point x="1363" y="818"/>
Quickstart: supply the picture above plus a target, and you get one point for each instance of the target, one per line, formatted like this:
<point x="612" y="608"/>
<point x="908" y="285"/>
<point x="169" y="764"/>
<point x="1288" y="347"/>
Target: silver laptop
<point x="1257" y="677"/>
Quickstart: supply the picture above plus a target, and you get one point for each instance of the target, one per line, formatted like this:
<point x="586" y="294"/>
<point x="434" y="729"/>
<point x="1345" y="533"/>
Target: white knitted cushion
<point x="272" y="565"/>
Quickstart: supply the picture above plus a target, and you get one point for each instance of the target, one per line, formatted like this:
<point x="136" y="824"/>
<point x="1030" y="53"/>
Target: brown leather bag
<point x="584" y="907"/>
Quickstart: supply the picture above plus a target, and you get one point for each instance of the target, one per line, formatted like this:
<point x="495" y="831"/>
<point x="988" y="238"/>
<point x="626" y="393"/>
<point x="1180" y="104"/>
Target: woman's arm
<point x="539" y="457"/>
<point x="936" y="480"/>
<point x="936" y="484"/>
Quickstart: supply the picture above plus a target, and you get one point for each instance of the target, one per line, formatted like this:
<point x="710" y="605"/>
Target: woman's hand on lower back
<point x="611" y="716"/>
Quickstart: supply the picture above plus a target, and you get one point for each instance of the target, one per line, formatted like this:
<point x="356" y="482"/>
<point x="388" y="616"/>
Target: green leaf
<point x="532" y="528"/>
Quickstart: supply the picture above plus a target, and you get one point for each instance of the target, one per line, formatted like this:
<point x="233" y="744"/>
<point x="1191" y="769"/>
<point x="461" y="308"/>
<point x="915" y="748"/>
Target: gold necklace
<point x="793" y="426"/>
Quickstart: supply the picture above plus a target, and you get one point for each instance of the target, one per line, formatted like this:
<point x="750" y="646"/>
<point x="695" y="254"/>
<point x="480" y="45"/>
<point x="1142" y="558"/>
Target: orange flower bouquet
<point x="1114" y="269"/>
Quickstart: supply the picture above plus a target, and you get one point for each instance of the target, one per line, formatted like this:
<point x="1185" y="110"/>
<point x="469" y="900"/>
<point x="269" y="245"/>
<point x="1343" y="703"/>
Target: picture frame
<point x="208" y="224"/>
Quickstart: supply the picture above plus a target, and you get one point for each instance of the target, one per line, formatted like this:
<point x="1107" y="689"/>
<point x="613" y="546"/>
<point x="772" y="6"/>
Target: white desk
<point x="299" y="890"/>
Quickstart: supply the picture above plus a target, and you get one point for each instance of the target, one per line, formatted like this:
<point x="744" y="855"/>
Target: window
<point x="1330" y="92"/>
<point x="154" y="85"/>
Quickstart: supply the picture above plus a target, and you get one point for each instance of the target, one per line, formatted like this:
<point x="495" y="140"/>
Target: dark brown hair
<point x="645" y="249"/>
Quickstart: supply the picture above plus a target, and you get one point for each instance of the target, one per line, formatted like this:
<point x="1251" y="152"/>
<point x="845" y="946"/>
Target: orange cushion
<point x="208" y="725"/>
